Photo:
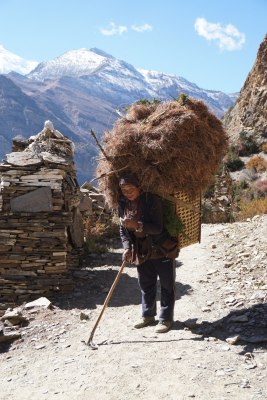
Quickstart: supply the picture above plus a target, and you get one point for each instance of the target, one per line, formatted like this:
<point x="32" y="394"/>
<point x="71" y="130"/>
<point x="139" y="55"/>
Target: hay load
<point x="171" y="147"/>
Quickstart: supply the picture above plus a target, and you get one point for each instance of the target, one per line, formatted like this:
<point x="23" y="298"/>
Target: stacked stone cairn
<point x="93" y="206"/>
<point x="218" y="208"/>
<point x="41" y="226"/>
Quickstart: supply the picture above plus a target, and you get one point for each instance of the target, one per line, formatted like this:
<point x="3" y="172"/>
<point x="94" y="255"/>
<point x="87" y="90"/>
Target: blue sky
<point x="213" y="43"/>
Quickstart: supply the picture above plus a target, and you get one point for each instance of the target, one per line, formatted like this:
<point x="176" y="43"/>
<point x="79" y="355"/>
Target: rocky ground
<point x="216" y="349"/>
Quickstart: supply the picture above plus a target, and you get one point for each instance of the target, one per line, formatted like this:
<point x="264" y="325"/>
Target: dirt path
<point x="193" y="360"/>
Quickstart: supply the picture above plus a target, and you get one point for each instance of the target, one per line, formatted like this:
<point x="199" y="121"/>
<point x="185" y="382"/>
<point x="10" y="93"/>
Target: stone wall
<point x="41" y="227"/>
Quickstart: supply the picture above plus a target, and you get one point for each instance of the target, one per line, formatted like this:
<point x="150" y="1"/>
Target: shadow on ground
<point x="247" y="326"/>
<point x="4" y="347"/>
<point x="94" y="280"/>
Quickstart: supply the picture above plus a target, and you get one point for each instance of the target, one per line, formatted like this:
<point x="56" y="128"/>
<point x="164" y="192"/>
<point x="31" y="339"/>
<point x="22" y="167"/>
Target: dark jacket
<point x="151" y="214"/>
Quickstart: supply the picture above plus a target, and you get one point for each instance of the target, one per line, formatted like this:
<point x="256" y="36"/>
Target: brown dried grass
<point x="257" y="163"/>
<point x="170" y="146"/>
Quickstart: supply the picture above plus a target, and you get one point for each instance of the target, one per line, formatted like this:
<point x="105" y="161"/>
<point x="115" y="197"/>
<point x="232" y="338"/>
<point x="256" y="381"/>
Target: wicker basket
<point x="189" y="211"/>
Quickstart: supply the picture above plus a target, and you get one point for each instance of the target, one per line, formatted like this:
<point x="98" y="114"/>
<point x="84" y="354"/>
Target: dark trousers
<point x="148" y="272"/>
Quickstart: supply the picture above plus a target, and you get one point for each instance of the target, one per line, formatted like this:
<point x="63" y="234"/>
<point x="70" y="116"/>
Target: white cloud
<point x="142" y="28"/>
<point x="113" y="29"/>
<point x="227" y="37"/>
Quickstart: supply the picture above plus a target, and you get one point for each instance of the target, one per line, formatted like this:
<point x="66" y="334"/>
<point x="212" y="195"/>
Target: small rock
<point x="212" y="271"/>
<point x="228" y="264"/>
<point x="15" y="316"/>
<point x="230" y="300"/>
<point x="42" y="302"/>
<point x="239" y="318"/>
<point x="176" y="358"/>
<point x="220" y="373"/>
<point x="40" y="346"/>
<point x="233" y="339"/>
<point x="84" y="316"/>
<point x="245" y="384"/>
<point x="9" y="337"/>
<point x="69" y="360"/>
<point x="210" y="302"/>
<point x="229" y="370"/>
<point x="245" y="254"/>
<point x="251" y="366"/>
<point x="258" y="296"/>
<point x="239" y="304"/>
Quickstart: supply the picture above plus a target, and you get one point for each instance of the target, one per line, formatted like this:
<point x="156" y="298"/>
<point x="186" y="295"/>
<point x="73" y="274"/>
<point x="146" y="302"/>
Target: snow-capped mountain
<point x="11" y="62"/>
<point x="73" y="63"/>
<point x="76" y="63"/>
<point x="98" y="68"/>
<point x="95" y="68"/>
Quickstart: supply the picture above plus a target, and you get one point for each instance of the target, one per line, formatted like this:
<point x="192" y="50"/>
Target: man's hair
<point x="129" y="179"/>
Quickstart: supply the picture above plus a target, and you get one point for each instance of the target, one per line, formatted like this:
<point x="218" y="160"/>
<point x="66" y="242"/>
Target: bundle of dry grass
<point x="172" y="146"/>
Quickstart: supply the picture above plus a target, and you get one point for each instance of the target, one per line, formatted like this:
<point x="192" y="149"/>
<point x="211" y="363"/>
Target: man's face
<point x="130" y="191"/>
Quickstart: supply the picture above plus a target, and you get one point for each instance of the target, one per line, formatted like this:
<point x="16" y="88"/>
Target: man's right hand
<point x="127" y="255"/>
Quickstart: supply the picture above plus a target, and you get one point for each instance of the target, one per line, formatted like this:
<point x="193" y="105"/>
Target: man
<point x="141" y="231"/>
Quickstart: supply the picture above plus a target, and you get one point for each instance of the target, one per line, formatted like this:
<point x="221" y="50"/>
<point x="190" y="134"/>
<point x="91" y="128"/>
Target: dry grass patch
<point x="257" y="163"/>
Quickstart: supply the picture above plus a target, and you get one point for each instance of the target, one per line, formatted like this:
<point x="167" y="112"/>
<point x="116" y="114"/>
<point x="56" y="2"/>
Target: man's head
<point x="130" y="187"/>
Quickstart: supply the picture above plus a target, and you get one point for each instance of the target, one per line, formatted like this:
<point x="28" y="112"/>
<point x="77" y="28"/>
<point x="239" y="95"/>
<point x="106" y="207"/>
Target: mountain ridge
<point x="83" y="62"/>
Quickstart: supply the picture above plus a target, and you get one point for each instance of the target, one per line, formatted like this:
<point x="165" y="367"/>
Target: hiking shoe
<point x="145" y="321"/>
<point x="163" y="326"/>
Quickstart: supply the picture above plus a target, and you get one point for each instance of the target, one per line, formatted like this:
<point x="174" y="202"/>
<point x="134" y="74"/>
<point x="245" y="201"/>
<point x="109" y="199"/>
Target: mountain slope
<point x="249" y="113"/>
<point x="22" y="115"/>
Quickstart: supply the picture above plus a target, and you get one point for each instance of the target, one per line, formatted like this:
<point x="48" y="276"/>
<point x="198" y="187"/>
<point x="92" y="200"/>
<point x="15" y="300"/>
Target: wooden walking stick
<point x="111" y="290"/>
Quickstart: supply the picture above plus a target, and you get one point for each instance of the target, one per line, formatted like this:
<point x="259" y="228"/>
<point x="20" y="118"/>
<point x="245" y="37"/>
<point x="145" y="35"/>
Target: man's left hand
<point x="129" y="223"/>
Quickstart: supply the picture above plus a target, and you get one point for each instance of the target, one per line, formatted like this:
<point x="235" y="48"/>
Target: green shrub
<point x="247" y="144"/>
<point x="232" y="160"/>
<point x="243" y="184"/>
<point x="182" y="98"/>
<point x="147" y="102"/>
<point x="172" y="222"/>
<point x="239" y="188"/>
